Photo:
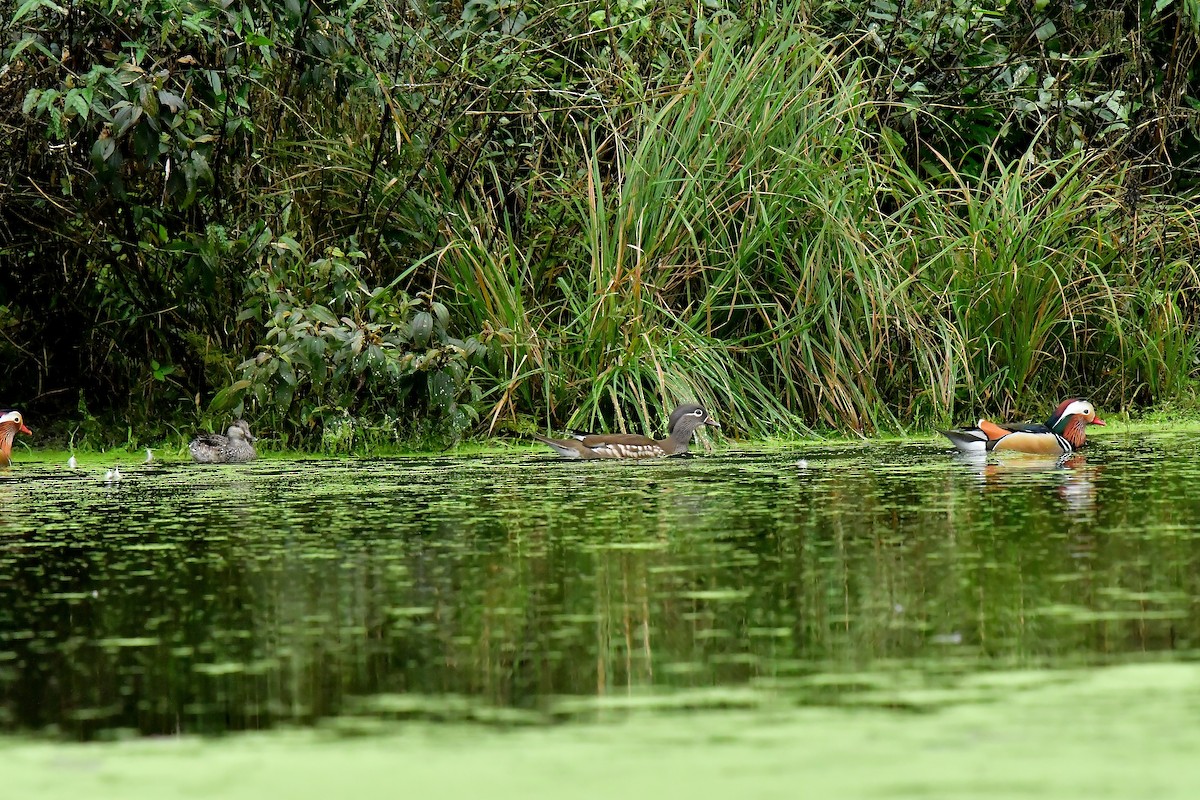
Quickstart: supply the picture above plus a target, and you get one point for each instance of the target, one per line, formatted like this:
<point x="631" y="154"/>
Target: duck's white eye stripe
<point x="1078" y="407"/>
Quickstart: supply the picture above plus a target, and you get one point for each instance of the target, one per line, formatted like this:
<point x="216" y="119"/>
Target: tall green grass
<point x="756" y="240"/>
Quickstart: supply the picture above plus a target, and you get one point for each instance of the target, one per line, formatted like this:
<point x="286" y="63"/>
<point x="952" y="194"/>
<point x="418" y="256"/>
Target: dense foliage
<point x="378" y="221"/>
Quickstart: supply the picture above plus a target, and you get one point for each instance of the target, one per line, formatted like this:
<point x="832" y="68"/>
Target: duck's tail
<point x="567" y="448"/>
<point x="967" y="440"/>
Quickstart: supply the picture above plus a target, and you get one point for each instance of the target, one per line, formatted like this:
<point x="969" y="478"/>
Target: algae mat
<point x="1124" y="731"/>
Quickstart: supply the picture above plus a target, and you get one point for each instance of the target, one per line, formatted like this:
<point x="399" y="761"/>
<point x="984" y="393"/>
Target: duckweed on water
<point x="1124" y="731"/>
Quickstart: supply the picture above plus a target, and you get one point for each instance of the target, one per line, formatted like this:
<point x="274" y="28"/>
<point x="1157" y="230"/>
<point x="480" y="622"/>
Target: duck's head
<point x="1070" y="408"/>
<point x="240" y="430"/>
<point x="10" y="423"/>
<point x="15" y="420"/>
<point x="686" y="418"/>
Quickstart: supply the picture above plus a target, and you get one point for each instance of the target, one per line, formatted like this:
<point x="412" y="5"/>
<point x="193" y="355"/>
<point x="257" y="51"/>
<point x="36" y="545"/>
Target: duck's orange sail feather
<point x="992" y="430"/>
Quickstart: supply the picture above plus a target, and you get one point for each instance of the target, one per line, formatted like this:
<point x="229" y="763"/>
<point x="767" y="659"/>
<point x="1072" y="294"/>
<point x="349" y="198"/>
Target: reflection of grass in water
<point x="289" y="587"/>
<point x="1123" y="732"/>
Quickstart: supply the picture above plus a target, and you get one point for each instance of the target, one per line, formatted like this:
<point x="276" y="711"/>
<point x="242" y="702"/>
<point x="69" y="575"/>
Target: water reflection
<point x="216" y="598"/>
<point x="1075" y="480"/>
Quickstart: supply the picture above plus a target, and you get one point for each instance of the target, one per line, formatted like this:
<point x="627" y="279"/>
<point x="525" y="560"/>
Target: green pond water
<point x="726" y="604"/>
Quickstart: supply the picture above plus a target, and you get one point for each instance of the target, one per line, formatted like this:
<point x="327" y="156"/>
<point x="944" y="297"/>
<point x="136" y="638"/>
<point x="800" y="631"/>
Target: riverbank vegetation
<point x="381" y="221"/>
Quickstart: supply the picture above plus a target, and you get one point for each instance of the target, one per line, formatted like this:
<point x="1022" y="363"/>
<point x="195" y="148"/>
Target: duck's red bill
<point x="1098" y="421"/>
<point x="23" y="429"/>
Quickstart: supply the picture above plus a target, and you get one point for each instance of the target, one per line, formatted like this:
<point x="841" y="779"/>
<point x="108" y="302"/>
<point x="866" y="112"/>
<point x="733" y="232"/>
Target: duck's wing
<point x="605" y="445"/>
<point x="210" y="440"/>
<point x="1030" y="427"/>
<point x="622" y="445"/>
<point x="595" y="440"/>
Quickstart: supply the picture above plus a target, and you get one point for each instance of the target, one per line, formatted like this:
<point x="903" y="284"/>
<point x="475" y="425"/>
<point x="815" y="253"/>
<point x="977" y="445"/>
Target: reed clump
<point x="764" y="244"/>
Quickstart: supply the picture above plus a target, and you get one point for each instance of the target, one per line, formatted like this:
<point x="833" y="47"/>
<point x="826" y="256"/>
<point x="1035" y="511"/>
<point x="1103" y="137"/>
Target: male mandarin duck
<point x="234" y="447"/>
<point x="1064" y="432"/>
<point x="683" y="423"/>
<point x="10" y="424"/>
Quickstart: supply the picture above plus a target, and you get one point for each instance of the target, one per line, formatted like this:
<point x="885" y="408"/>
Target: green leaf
<point x="287" y="373"/>
<point x="46" y="98"/>
<point x="323" y="315"/>
<point x="422" y="327"/>
<point x="443" y="315"/>
<point x="441" y="391"/>
<point x="228" y="397"/>
<point x="32" y="5"/>
<point x="28" y="41"/>
<point x="103" y="150"/>
<point x="171" y="100"/>
<point x="77" y="101"/>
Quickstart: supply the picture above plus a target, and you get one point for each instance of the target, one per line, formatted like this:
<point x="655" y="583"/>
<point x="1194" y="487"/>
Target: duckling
<point x="234" y="447"/>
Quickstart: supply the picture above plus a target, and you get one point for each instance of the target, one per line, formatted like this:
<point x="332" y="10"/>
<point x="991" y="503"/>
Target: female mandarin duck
<point x="1064" y="432"/>
<point x="683" y="423"/>
<point x="234" y="447"/>
<point x="10" y="424"/>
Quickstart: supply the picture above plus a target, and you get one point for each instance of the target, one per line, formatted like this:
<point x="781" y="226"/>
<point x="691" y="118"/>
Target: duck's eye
<point x="699" y="412"/>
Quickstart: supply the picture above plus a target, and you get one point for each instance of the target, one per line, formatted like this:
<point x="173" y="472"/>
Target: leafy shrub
<point x="968" y="81"/>
<point x="339" y="360"/>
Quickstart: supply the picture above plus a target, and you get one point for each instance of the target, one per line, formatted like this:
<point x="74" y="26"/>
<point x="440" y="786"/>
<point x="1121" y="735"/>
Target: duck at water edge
<point x="232" y="448"/>
<point x="1064" y="432"/>
<point x="684" y="421"/>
